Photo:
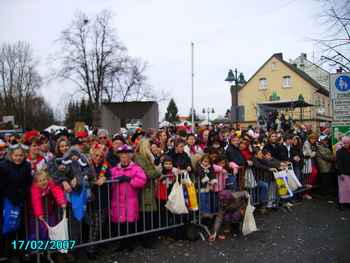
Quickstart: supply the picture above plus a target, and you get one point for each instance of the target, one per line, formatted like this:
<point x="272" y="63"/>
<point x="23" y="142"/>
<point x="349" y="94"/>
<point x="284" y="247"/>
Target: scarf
<point x="34" y="162"/>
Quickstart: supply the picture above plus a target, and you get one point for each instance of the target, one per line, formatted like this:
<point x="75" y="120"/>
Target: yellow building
<point x="278" y="81"/>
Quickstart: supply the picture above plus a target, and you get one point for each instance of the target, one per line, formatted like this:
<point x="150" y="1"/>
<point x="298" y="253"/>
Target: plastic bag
<point x="293" y="181"/>
<point x="191" y="193"/>
<point x="176" y="201"/>
<point x="283" y="189"/>
<point x="79" y="202"/>
<point x="249" y="179"/>
<point x="59" y="231"/>
<point x="249" y="225"/>
<point x="12" y="215"/>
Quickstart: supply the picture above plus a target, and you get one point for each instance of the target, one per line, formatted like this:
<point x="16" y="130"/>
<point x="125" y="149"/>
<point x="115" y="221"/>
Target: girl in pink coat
<point x="129" y="179"/>
<point x="44" y="187"/>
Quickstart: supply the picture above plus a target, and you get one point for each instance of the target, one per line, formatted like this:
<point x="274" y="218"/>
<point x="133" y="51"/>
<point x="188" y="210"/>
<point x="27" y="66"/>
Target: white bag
<point x="293" y="181"/>
<point x="249" y="225"/>
<point x="283" y="188"/>
<point x="59" y="231"/>
<point x="249" y="179"/>
<point x="176" y="201"/>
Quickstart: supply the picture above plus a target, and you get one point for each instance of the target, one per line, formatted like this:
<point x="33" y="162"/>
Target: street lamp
<point x="208" y="111"/>
<point x="238" y="80"/>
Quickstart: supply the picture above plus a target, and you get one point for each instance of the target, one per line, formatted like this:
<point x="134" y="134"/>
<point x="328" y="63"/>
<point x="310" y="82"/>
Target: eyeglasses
<point x="103" y="138"/>
<point x="17" y="146"/>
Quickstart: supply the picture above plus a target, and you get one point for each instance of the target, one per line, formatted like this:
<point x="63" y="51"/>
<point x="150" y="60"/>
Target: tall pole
<point x="192" y="84"/>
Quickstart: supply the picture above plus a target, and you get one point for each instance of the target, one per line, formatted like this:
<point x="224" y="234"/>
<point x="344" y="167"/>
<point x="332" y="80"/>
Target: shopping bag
<point x="307" y="168"/>
<point x="59" y="231"/>
<point x="283" y="189"/>
<point x="11" y="215"/>
<point x="249" y="225"/>
<point x="161" y="192"/>
<point x="79" y="203"/>
<point x="293" y="181"/>
<point x="176" y="201"/>
<point x="249" y="179"/>
<point x="191" y="193"/>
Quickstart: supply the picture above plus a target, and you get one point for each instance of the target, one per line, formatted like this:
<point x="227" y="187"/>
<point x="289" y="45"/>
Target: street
<point x="314" y="232"/>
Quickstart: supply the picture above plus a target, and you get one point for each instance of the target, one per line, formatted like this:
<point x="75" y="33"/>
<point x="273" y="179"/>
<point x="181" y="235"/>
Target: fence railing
<point x="115" y="213"/>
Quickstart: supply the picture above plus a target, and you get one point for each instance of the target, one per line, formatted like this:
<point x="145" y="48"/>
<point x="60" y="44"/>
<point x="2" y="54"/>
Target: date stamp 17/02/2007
<point x="43" y="245"/>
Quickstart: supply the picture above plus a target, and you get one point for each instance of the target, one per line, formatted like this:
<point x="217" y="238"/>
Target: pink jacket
<point x="125" y="203"/>
<point x="221" y="175"/>
<point x="37" y="193"/>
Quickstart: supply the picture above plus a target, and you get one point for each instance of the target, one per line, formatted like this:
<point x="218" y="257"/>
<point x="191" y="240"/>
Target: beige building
<point x="278" y="81"/>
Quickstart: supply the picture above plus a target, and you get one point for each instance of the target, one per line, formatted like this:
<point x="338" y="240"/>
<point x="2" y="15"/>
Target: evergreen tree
<point x="171" y="112"/>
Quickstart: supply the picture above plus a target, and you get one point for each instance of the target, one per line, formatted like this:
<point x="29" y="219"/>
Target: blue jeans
<point x="263" y="191"/>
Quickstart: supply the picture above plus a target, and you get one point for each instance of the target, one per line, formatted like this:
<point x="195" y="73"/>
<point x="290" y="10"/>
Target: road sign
<point x="340" y="92"/>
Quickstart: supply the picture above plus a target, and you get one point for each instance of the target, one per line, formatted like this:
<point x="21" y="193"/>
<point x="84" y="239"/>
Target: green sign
<point x="338" y="131"/>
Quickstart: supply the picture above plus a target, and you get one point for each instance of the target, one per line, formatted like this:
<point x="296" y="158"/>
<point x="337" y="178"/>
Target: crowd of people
<point x="125" y="179"/>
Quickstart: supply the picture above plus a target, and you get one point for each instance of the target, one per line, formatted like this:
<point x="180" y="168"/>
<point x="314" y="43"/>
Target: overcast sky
<point x="226" y="33"/>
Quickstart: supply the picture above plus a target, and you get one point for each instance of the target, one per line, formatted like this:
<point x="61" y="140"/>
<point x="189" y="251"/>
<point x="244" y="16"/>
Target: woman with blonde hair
<point x="148" y="204"/>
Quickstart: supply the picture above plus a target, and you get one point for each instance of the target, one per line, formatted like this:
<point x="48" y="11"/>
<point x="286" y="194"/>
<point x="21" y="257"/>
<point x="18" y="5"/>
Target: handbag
<point x="176" y="201"/>
<point x="12" y="215"/>
<point x="283" y="189"/>
<point x="59" y="231"/>
<point x="249" y="179"/>
<point x="249" y="225"/>
<point x="293" y="181"/>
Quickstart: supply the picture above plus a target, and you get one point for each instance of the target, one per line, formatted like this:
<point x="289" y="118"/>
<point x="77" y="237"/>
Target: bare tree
<point x="19" y="80"/>
<point x="335" y="46"/>
<point x="93" y="57"/>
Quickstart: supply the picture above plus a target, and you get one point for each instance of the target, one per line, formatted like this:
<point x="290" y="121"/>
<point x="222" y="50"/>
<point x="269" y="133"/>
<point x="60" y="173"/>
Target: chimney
<point x="279" y="55"/>
<point x="339" y="70"/>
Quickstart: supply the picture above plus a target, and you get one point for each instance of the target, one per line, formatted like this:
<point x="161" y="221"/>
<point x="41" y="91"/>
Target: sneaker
<point x="307" y="197"/>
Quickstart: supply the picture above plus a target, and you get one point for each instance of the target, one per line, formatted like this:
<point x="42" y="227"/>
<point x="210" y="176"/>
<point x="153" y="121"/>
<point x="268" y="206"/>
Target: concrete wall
<point x="112" y="114"/>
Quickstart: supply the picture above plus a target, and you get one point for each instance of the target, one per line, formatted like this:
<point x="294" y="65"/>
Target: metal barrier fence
<point x="112" y="214"/>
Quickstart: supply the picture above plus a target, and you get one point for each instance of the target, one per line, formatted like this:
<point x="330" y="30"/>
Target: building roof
<point x="279" y="56"/>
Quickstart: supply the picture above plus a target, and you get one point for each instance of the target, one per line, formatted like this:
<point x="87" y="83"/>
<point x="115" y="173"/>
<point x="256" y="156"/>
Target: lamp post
<point x="208" y="111"/>
<point x="238" y="80"/>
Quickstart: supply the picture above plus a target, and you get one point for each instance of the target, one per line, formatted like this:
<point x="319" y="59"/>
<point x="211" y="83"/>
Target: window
<point x="287" y="82"/>
<point x="262" y="83"/>
<point x="273" y="66"/>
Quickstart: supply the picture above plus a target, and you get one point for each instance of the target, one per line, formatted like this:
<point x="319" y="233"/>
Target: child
<point x="164" y="185"/>
<point x="231" y="210"/>
<point x="220" y="173"/>
<point x="191" y="147"/>
<point x="42" y="186"/>
<point x="206" y="176"/>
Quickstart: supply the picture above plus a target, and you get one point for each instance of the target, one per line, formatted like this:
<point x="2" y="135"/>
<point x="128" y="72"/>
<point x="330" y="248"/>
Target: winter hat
<point x="29" y="135"/>
<point x="118" y="137"/>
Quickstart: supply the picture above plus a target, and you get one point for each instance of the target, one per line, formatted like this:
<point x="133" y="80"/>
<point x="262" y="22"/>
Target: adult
<point x="112" y="155"/>
<point x="148" y="204"/>
<point x="343" y="161"/>
<point x="103" y="137"/>
<point x="233" y="152"/>
<point x="16" y="179"/>
<point x="274" y="147"/>
<point x="325" y="160"/>
<point x="310" y="166"/>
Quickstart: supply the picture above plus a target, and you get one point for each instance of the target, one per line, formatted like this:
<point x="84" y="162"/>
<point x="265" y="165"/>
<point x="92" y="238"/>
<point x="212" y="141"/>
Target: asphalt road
<point x="314" y="232"/>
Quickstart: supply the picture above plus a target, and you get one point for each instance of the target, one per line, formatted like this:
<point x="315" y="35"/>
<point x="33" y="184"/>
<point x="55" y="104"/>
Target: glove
<point x="205" y="180"/>
<point x="124" y="179"/>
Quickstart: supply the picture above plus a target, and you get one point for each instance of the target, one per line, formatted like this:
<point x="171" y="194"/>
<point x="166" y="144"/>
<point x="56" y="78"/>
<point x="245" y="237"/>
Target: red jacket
<point x="37" y="193"/>
<point x="247" y="155"/>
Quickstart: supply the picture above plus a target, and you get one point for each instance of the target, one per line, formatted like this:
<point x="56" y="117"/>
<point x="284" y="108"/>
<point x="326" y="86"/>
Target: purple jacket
<point x="125" y="203"/>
